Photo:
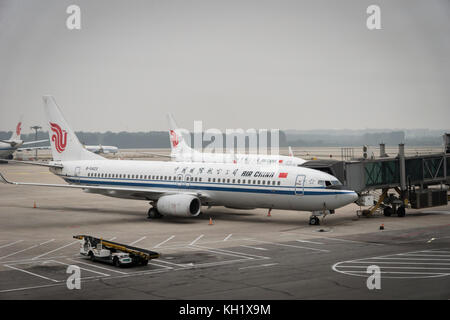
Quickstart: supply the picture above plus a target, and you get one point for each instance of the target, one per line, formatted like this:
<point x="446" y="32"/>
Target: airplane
<point x="14" y="143"/>
<point x="182" y="152"/>
<point x="182" y="188"/>
<point x="102" y="149"/>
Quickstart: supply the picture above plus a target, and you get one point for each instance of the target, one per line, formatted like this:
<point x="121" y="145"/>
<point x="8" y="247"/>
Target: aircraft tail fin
<point x="291" y="154"/>
<point x="177" y="143"/>
<point x="15" y="136"/>
<point x="64" y="143"/>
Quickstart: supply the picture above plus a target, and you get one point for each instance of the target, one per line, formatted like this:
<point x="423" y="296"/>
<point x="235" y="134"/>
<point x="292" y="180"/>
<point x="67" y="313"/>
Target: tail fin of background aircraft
<point x="177" y="143"/>
<point x="64" y="143"/>
<point x="16" y="133"/>
<point x="291" y="154"/>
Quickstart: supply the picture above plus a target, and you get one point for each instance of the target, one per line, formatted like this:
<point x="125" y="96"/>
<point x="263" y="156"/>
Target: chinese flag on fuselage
<point x="282" y="175"/>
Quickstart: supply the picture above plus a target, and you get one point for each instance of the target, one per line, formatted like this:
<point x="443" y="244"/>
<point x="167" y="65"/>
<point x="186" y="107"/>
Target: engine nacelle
<point x="180" y="205"/>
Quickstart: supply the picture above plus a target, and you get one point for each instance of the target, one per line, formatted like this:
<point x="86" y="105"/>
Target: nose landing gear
<point x="153" y="213"/>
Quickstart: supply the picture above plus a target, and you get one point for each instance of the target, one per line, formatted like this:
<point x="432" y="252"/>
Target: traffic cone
<point x="34" y="205"/>
<point x="210" y="222"/>
<point x="382" y="227"/>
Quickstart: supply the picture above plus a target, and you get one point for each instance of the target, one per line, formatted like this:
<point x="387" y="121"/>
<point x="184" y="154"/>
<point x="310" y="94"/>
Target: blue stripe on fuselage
<point x="236" y="188"/>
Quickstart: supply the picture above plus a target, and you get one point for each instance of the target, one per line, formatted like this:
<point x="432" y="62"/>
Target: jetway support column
<point x="402" y="167"/>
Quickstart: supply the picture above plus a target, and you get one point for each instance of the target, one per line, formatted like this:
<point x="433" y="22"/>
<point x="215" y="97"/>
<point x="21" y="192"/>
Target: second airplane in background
<point x="182" y="152"/>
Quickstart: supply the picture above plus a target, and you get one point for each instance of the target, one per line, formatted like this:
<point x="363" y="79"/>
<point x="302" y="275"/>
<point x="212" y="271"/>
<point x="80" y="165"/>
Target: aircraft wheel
<point x="401" y="211"/>
<point x="153" y="213"/>
<point x="314" y="221"/>
<point x="387" y="212"/>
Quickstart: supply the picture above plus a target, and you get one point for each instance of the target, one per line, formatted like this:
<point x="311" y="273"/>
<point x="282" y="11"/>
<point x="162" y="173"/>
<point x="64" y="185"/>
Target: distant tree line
<point x="160" y="139"/>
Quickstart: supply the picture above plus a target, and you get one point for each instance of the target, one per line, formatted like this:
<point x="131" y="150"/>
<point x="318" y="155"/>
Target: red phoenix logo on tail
<point x="59" y="137"/>
<point x="173" y="138"/>
<point x="18" y="128"/>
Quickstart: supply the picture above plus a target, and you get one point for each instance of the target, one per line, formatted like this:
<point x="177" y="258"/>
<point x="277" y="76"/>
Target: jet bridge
<point x="421" y="180"/>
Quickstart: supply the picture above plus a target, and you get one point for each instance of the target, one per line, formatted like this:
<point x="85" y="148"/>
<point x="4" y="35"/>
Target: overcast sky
<point x="231" y="63"/>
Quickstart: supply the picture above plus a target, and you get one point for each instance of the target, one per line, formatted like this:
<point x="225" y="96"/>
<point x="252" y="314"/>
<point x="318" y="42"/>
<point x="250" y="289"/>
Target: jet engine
<point x="180" y="205"/>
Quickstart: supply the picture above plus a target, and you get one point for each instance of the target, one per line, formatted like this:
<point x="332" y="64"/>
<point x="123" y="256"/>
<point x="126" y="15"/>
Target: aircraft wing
<point x="156" y="154"/>
<point x="34" y="148"/>
<point x="36" y="141"/>
<point x="34" y="163"/>
<point x="142" y="193"/>
<point x="11" y="143"/>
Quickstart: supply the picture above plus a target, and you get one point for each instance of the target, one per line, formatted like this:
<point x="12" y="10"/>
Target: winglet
<point x="3" y="179"/>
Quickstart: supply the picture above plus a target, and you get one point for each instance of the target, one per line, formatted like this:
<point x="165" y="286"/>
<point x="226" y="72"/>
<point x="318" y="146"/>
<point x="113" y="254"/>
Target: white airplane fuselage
<point x="241" y="158"/>
<point x="7" y="150"/>
<point x="230" y="185"/>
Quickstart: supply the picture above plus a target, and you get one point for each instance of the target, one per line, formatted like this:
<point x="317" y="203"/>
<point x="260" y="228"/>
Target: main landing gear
<point x="153" y="213"/>
<point x="314" y="221"/>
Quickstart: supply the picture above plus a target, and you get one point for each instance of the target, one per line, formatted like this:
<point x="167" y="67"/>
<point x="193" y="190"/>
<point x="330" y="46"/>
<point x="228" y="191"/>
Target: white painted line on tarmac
<point x="292" y="246"/>
<point x="196" y="239"/>
<point x="10" y="244"/>
<point x="399" y="272"/>
<point x="161" y="243"/>
<point x="228" y="237"/>
<point x="387" y="267"/>
<point x="160" y="265"/>
<point x="413" y="259"/>
<point x="423" y="255"/>
<point x="95" y="266"/>
<point x="54" y="250"/>
<point x="30" y="288"/>
<point x="138" y="240"/>
<point x="66" y="264"/>
<point x="175" y="264"/>
<point x="396" y="262"/>
<point x="34" y="274"/>
<point x="307" y="241"/>
<point x="362" y="242"/>
<point x="259" y="266"/>
<point x="29" y="248"/>
<point x="256" y="248"/>
<point x="231" y="253"/>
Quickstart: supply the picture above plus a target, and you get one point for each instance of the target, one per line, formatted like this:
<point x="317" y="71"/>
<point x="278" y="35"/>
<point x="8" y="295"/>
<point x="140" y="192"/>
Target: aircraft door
<point x="300" y="185"/>
<point x="77" y="174"/>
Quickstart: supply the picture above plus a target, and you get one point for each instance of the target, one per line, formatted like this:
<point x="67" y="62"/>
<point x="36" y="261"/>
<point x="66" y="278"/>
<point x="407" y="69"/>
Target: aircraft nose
<point x="353" y="196"/>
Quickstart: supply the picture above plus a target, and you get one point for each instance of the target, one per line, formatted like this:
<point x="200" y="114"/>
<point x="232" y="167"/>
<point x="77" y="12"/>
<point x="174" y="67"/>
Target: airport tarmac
<point x="245" y="254"/>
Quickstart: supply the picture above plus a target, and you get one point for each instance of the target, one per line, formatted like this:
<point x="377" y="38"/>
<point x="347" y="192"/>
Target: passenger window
<point x="278" y="182"/>
<point x="214" y="179"/>
<point x="200" y="179"/>
<point x="234" y="180"/>
<point x="209" y="179"/>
